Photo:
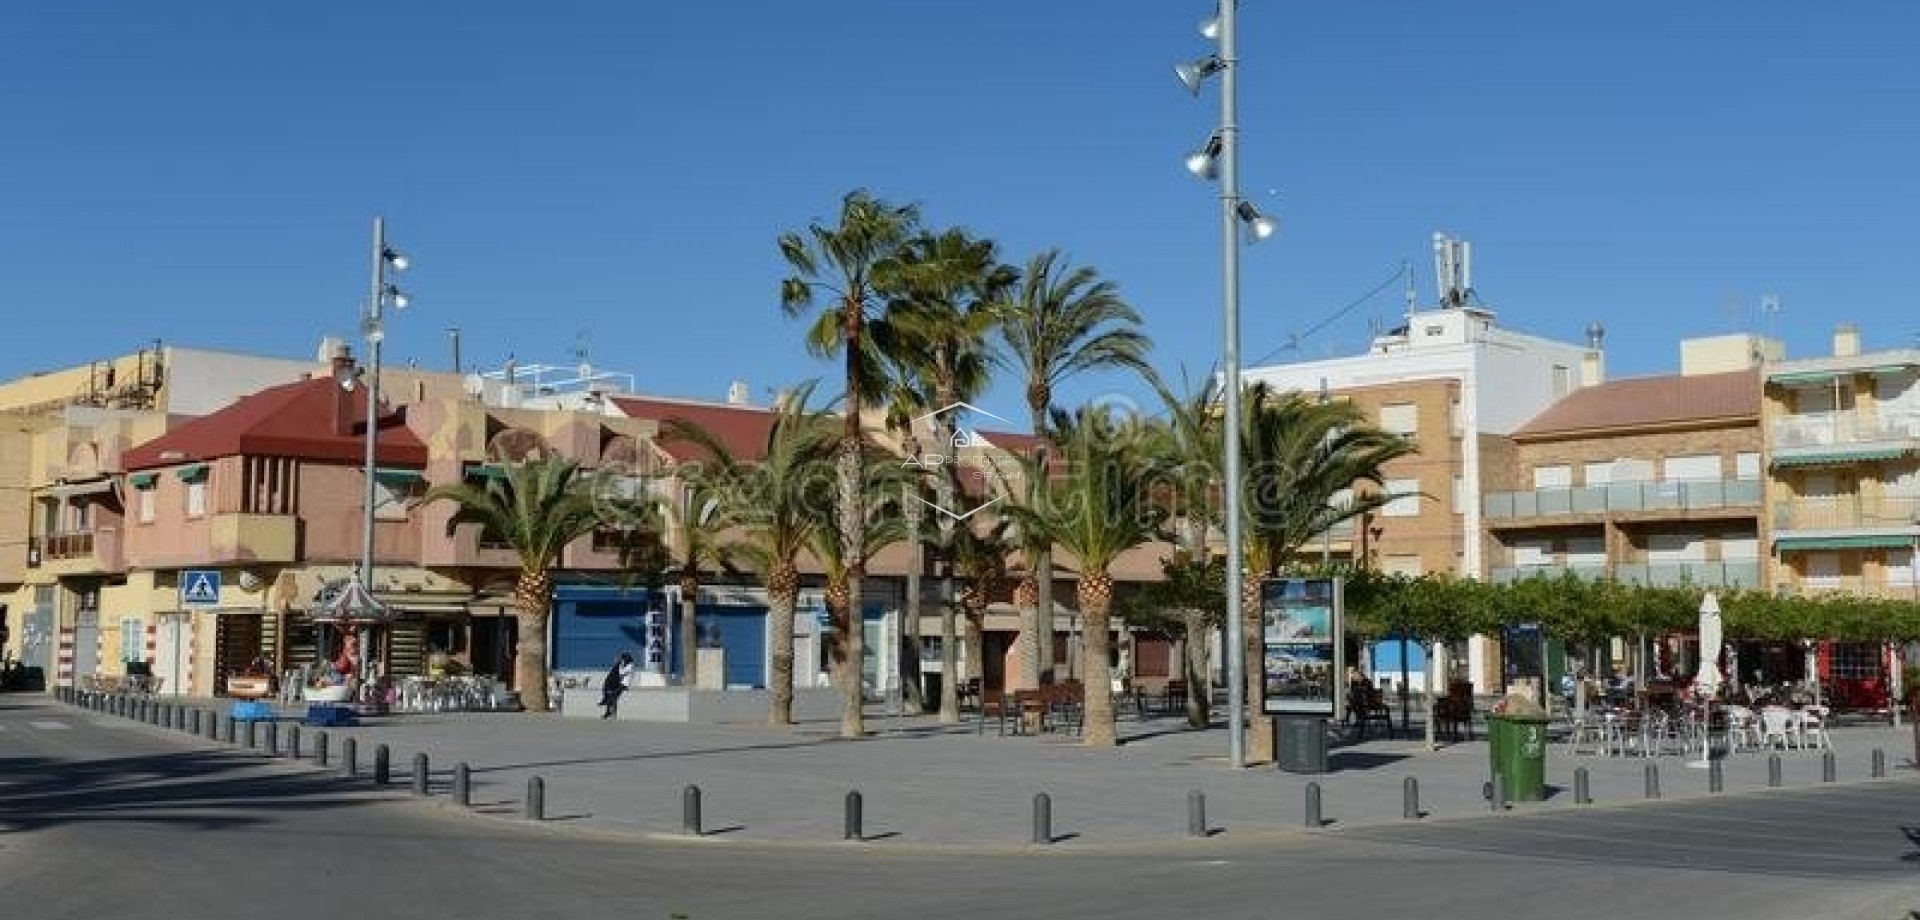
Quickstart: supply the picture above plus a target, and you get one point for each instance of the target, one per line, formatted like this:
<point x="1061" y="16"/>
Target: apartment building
<point x="1655" y="480"/>
<point x="1459" y="384"/>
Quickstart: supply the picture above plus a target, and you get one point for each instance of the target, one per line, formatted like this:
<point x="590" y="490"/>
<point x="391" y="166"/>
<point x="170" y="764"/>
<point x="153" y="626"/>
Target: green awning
<point x="486" y="471"/>
<point x="391" y="477"/>
<point x="143" y="480"/>
<point x="1803" y="377"/>
<point x="1838" y="457"/>
<point x="1877" y="541"/>
<point x="194" y="473"/>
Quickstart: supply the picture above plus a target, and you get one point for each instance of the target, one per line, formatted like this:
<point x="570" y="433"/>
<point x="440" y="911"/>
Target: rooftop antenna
<point x="1452" y="269"/>
<point x="1406" y="268"/>
<point x="580" y="352"/>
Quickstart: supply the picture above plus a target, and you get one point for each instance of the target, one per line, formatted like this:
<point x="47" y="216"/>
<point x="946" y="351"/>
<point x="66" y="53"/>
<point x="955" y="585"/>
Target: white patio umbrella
<point x="1707" y="679"/>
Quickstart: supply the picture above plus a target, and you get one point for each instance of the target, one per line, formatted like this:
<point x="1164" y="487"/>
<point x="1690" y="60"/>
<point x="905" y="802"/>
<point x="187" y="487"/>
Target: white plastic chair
<point x="1813" y="728"/>
<point x="1742" y="733"/>
<point x="1776" y="728"/>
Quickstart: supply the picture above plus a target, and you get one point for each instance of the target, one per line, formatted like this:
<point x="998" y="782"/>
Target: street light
<point x="1221" y="155"/>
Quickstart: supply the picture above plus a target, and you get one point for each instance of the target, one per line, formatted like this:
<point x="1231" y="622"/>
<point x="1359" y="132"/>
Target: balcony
<point x="1586" y="571"/>
<point x="1624" y="497"/>
<point x="254" y="538"/>
<point x="1730" y="573"/>
<point x="74" y="552"/>
<point x="1852" y="428"/>
<point x="1847" y="512"/>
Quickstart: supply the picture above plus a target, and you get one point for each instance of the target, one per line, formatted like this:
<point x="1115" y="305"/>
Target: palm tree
<point x="882" y="527"/>
<point x="847" y="261"/>
<point x="777" y="503"/>
<point x="1300" y="456"/>
<point x="1100" y="506"/>
<point x="980" y="559"/>
<point x="694" y="523"/>
<point x="1062" y="321"/>
<point x="1191" y="439"/>
<point x="538" y="507"/>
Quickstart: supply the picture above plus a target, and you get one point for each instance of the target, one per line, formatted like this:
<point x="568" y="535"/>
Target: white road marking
<point x="50" y="726"/>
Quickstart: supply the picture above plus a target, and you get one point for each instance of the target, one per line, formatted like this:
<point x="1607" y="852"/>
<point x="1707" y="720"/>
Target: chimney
<point x="737" y="393"/>
<point x="1593" y="363"/>
<point x="1846" y="340"/>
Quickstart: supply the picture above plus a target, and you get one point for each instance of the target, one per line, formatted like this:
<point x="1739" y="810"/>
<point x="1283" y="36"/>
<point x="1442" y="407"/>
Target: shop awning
<point x="1859" y="541"/>
<point x="1803" y="378"/>
<point x="485" y="471"/>
<point x="1836" y="457"/>
<point x="89" y="487"/>
<point x="143" y="480"/>
<point x="195" y="473"/>
<point x="395" y="477"/>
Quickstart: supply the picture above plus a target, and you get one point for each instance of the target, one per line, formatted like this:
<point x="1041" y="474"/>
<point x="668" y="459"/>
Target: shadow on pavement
<point x="199" y="790"/>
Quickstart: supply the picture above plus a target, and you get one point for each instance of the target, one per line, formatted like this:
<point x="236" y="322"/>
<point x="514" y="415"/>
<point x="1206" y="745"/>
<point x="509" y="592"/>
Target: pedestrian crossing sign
<point x="200" y="588"/>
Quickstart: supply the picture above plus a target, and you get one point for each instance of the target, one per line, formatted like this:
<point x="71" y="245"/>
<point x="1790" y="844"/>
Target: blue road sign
<point x="200" y="588"/>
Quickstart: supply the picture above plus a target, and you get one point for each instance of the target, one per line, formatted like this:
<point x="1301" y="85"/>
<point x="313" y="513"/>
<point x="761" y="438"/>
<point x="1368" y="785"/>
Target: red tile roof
<point x="1647" y="402"/>
<point x="741" y="429"/>
<point x="301" y="420"/>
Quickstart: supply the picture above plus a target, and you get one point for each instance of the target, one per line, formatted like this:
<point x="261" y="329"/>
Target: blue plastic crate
<point x="252" y="711"/>
<point x="331" y="715"/>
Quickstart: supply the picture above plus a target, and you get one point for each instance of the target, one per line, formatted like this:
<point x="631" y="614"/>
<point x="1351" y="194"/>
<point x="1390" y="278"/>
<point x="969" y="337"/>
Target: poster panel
<point x="1301" y="627"/>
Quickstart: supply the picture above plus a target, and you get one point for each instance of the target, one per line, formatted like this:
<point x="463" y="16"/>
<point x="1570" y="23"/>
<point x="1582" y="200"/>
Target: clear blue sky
<point x="206" y="172"/>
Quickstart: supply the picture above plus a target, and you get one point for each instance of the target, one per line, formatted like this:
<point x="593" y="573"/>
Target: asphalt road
<point x="102" y="819"/>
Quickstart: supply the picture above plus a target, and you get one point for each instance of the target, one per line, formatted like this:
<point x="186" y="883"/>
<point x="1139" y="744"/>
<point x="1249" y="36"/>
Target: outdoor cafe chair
<point x="1776" y="728"/>
<point x="1813" y="728"/>
<point x="1742" y="733"/>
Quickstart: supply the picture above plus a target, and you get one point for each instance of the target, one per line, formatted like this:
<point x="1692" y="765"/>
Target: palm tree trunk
<point x="976" y="645"/>
<point x="1043" y="567"/>
<point x="1096" y="601"/>
<point x="1026" y="655"/>
<point x="852" y="526"/>
<point x="783" y="591"/>
<point x="689" y="628"/>
<point x="915" y="514"/>
<point x="1259" y="727"/>
<point x="949" y="665"/>
<point x="532" y="597"/>
<point x="1199" y="683"/>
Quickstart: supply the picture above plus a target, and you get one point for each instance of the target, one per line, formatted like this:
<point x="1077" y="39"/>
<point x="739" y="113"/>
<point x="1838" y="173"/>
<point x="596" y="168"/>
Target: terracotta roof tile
<point x="742" y="429"/>
<point x="303" y="420"/>
<point x="1637" y="402"/>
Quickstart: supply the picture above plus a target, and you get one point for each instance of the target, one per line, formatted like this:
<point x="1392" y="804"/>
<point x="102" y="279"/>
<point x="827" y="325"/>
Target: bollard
<point x="1196" y="813"/>
<point x="350" y="757"/>
<point x="1773" y="771"/>
<point x="1582" y="791"/>
<point x="252" y="734"/>
<point x="232" y="730"/>
<point x="213" y="725"/>
<point x="1410" y="799"/>
<point x="1653" y="780"/>
<point x="320" y="747"/>
<point x="177" y="717"/>
<point x="420" y="774"/>
<point x="536" y="799"/>
<point x="380" y="764"/>
<point x="690" y="810"/>
<point x="196" y="721"/>
<point x="273" y="739"/>
<point x="462" y="785"/>
<point x="1827" y="768"/>
<point x="1312" y="816"/>
<point x="293" y="742"/>
<point x="1042" y="818"/>
<point x="1879" y="763"/>
<point x="852" y="829"/>
<point x="1716" y="776"/>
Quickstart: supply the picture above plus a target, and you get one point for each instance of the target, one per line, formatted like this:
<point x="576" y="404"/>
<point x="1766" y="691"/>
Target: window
<point x="1696" y="466"/>
<point x="1562" y="380"/>
<point x="146" y="505"/>
<point x="1742" y="548"/>
<point x="1899" y="567"/>
<point x="1403" y="564"/>
<point x="1400" y="418"/>
<point x="197" y="498"/>
<point x="133" y="640"/>
<point x="1746" y="465"/>
<point x="1532" y="553"/>
<point x="1598" y="474"/>
<point x="1553" y="477"/>
<point x="1587" y="551"/>
<point x="1676" y="547"/>
<point x="1406" y="501"/>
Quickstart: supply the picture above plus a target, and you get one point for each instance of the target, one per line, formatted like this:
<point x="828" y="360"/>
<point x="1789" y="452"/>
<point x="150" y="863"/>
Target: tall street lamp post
<point x="1220" y="157"/>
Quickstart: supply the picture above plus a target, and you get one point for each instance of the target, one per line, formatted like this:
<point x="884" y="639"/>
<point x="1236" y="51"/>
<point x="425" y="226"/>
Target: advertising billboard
<point x="1301" y="622"/>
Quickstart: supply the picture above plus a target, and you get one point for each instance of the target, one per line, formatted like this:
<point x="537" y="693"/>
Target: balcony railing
<point x="72" y="544"/>
<point x="1731" y="573"/>
<point x="1673" y="495"/>
<point x="1844" y="512"/>
<point x="1590" y="571"/>
<point x="1859" y="585"/>
<point x="1852" y="426"/>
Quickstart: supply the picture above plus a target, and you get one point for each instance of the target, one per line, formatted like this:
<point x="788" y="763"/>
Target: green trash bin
<point x="1517" y="751"/>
